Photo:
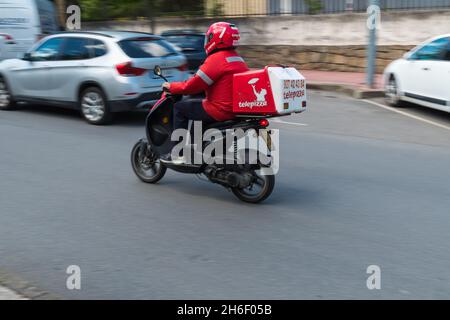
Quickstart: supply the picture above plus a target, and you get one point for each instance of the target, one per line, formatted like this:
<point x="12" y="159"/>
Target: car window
<point x="49" y="50"/>
<point x="76" y="49"/>
<point x="97" y="48"/>
<point x="146" y="48"/>
<point x="434" y="50"/>
<point x="190" y="42"/>
<point x="447" y="52"/>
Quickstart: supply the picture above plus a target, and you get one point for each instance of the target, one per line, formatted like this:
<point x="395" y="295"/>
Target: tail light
<point x="8" y="39"/>
<point x="264" y="123"/>
<point x="183" y="67"/>
<point x="126" y="69"/>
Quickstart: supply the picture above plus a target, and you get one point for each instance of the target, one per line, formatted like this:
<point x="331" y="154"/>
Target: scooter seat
<point x="230" y="123"/>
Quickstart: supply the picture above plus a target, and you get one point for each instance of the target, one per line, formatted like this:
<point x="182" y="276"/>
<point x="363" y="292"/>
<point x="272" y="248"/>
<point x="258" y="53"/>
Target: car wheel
<point x="94" y="106"/>
<point x="392" y="94"/>
<point x="6" y="99"/>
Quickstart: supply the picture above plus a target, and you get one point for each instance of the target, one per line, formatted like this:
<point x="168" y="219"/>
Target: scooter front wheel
<point x="258" y="191"/>
<point x="146" y="167"/>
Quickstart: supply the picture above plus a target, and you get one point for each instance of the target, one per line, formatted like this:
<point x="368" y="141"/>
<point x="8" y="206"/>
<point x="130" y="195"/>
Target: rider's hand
<point x="166" y="86"/>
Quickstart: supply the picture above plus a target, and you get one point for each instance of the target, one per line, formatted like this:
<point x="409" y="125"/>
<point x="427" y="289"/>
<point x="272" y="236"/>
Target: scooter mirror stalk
<point x="158" y="72"/>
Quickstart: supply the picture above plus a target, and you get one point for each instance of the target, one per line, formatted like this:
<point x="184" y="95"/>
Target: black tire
<point x="266" y="190"/>
<point x="140" y="168"/>
<point x="391" y="93"/>
<point x="94" y="106"/>
<point x="6" y="99"/>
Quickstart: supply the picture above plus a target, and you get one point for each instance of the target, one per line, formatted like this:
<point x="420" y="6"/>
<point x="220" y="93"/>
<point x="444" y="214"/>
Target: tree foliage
<point x="314" y="6"/>
<point x="117" y="9"/>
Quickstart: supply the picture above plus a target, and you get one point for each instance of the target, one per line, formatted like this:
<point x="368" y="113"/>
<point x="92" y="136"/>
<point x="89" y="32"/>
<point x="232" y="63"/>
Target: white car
<point x="22" y="23"/>
<point x="422" y="76"/>
<point x="98" y="73"/>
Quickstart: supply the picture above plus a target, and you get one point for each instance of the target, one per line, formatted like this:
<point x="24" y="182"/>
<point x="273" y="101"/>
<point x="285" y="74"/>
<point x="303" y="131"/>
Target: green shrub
<point x="314" y="6"/>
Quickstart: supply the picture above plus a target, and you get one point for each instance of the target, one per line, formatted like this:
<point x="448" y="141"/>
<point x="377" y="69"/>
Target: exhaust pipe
<point x="228" y="178"/>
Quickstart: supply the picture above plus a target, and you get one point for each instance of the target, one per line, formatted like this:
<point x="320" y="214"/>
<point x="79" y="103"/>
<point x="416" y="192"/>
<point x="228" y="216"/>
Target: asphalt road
<point x="358" y="185"/>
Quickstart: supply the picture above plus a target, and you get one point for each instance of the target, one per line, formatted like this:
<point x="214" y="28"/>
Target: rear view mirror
<point x="27" y="56"/>
<point x="157" y="71"/>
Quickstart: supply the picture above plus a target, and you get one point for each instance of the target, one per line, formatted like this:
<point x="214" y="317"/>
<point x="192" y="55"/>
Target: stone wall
<point x="397" y="28"/>
<point x="330" y="58"/>
<point x="319" y="42"/>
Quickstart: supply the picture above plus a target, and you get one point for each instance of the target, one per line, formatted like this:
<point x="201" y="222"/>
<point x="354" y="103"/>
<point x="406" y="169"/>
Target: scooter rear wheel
<point x="146" y="169"/>
<point x="258" y="191"/>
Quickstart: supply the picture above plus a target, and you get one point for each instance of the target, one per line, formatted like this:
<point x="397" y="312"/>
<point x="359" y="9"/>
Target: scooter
<point x="247" y="180"/>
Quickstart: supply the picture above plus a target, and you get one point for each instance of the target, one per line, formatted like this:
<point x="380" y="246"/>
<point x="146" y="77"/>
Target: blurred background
<point x="107" y="9"/>
<point x="310" y="34"/>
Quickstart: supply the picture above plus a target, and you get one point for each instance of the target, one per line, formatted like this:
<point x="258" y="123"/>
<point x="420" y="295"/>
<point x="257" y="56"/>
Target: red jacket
<point x="215" y="77"/>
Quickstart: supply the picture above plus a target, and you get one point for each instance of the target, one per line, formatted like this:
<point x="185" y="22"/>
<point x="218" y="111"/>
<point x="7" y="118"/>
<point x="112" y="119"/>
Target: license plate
<point x="167" y="72"/>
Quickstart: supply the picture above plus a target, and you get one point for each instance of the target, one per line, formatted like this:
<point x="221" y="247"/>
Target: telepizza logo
<point x="260" y="97"/>
<point x="294" y="89"/>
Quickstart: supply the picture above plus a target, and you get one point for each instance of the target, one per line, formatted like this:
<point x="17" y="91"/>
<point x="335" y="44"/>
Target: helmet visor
<point x="208" y="38"/>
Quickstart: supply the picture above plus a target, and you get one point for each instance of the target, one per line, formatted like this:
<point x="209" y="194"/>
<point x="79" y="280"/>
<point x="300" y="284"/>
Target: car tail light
<point x="126" y="69"/>
<point x="183" y="67"/>
<point x="264" y="123"/>
<point x="8" y="39"/>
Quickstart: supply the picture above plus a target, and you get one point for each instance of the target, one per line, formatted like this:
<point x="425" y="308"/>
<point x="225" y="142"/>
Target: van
<point x="22" y="23"/>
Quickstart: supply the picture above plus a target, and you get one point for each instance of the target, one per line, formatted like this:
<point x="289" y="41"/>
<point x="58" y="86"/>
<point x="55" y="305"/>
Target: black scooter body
<point x="159" y="128"/>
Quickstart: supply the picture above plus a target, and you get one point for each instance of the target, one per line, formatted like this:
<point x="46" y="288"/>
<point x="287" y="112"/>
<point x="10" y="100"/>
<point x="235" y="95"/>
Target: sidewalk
<point x="13" y="287"/>
<point x="347" y="82"/>
<point x="6" y="294"/>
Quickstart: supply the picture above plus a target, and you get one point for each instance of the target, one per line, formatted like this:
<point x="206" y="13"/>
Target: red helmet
<point x="221" y="35"/>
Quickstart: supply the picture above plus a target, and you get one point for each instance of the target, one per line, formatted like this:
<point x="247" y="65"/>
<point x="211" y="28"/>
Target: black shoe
<point x="166" y="157"/>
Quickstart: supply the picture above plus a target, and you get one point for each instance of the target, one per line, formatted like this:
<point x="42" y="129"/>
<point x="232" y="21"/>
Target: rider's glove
<point x="166" y="86"/>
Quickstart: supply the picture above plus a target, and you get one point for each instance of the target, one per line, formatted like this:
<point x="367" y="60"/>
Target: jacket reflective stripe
<point x="234" y="59"/>
<point x="205" y="77"/>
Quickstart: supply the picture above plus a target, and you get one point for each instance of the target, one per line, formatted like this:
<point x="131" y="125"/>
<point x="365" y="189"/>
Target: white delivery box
<point x="271" y="91"/>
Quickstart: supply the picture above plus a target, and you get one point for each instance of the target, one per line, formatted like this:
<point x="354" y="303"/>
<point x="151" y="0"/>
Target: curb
<point x="24" y="288"/>
<point x="357" y="93"/>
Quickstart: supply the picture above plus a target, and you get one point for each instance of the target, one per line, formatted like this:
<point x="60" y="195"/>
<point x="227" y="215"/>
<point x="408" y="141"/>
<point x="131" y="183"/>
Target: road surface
<point x="359" y="185"/>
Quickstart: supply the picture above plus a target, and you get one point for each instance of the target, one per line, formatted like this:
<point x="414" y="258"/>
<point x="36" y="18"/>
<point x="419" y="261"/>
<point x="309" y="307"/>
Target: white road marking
<point x="291" y="123"/>
<point x="436" y="124"/>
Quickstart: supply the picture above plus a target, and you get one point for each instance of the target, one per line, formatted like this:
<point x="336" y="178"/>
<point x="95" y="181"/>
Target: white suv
<point x="98" y="73"/>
